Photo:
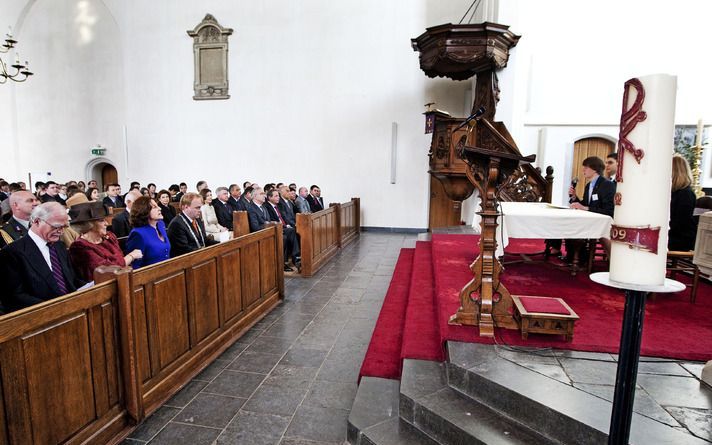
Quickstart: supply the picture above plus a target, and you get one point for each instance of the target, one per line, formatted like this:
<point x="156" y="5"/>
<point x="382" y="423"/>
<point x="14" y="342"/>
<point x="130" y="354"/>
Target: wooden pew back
<point x="88" y="366"/>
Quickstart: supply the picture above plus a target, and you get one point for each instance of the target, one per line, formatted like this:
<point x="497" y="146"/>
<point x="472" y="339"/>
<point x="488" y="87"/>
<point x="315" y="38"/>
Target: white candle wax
<point x="698" y="136"/>
<point x="645" y="190"/>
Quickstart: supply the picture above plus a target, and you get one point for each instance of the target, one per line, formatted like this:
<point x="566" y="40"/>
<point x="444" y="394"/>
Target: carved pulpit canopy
<point x="210" y="47"/>
<point x="461" y="51"/>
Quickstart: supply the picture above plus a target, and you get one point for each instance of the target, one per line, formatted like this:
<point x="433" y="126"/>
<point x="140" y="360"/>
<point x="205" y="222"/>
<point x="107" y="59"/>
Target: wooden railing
<point x="87" y="367"/>
<point x="324" y="232"/>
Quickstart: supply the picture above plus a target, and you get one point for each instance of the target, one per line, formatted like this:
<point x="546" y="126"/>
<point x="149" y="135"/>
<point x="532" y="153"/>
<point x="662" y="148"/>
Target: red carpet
<point x="421" y="335"/>
<point x="383" y="354"/>
<point x="673" y="328"/>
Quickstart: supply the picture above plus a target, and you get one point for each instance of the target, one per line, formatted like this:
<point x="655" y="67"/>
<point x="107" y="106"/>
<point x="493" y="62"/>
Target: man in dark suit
<point x="52" y="193"/>
<point x="183" y="188"/>
<point x="186" y="231"/>
<point x="223" y="211"/>
<point x="257" y="214"/>
<point x="599" y="192"/>
<point x="121" y="223"/>
<point x="234" y="200"/>
<point x="21" y="205"/>
<point x="113" y="199"/>
<point x="289" y="234"/>
<point x="316" y="202"/>
<point x="36" y="267"/>
<point x="245" y="199"/>
<point x="598" y="197"/>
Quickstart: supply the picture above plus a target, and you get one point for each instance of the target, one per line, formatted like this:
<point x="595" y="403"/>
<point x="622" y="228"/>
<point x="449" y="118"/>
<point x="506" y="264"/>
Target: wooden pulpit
<point x="485" y="301"/>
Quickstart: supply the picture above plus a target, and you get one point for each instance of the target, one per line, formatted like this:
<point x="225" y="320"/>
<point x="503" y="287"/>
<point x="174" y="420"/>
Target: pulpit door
<point x="444" y="212"/>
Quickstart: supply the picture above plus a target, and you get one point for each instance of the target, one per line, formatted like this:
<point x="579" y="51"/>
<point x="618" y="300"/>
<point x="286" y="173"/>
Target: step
<point x="374" y="418"/>
<point x="383" y="354"/>
<point x="557" y="410"/>
<point x="421" y="335"/>
<point x="449" y="417"/>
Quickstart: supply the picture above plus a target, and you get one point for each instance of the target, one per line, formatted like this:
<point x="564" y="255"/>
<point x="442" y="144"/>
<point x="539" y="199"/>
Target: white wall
<point x="568" y="70"/>
<point x="315" y="86"/>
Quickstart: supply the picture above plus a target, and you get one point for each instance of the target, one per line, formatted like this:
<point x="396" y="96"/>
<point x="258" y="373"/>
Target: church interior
<point x="490" y="222"/>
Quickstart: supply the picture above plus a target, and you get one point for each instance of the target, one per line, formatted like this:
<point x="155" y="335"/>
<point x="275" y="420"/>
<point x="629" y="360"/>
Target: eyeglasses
<point x="56" y="226"/>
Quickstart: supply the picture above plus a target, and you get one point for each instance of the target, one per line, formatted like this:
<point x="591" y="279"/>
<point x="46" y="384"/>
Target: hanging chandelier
<point x="19" y="68"/>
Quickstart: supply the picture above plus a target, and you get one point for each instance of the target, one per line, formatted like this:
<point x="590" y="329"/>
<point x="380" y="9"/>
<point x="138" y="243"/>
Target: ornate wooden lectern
<point x="485" y="301"/>
<point x="483" y="156"/>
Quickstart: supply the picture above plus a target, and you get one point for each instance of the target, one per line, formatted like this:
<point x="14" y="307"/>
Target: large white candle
<point x="643" y="190"/>
<point x="698" y="136"/>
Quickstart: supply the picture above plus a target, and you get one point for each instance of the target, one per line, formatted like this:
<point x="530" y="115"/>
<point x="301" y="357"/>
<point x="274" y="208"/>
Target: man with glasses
<point x="36" y="267"/>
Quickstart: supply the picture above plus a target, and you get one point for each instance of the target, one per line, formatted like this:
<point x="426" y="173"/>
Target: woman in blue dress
<point x="148" y="233"/>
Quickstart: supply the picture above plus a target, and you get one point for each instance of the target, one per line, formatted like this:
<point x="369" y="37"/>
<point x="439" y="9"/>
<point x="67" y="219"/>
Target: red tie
<point x="279" y="215"/>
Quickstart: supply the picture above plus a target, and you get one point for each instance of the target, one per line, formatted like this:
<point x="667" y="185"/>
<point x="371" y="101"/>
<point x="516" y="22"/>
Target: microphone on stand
<point x="474" y="115"/>
<point x="572" y="196"/>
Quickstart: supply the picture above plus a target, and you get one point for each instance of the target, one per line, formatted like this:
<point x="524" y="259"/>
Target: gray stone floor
<point x="291" y="379"/>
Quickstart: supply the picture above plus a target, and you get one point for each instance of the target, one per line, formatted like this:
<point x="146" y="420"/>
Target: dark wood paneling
<point x="250" y="260"/>
<point x="4" y="439"/>
<point x="141" y="317"/>
<point x="444" y="212"/>
<point x="268" y="255"/>
<point x="230" y="285"/>
<point x="204" y="296"/>
<point x="60" y="407"/>
<point x="171" y="328"/>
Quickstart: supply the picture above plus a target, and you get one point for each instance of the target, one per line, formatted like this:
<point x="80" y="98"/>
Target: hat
<point x="76" y="199"/>
<point x="88" y="211"/>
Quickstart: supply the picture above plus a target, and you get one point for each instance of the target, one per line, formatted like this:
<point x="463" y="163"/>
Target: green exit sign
<point x="98" y="151"/>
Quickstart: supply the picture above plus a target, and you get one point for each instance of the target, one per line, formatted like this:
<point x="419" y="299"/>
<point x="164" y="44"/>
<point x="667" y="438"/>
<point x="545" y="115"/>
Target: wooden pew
<point x="62" y="374"/>
<point x="324" y="232"/>
<point x="87" y="367"/>
<point x="240" y="223"/>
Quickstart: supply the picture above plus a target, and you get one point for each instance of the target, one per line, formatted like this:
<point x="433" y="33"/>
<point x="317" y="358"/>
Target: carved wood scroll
<point x="210" y="47"/>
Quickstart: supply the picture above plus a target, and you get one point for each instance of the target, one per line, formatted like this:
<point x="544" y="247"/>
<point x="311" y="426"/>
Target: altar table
<point x="539" y="220"/>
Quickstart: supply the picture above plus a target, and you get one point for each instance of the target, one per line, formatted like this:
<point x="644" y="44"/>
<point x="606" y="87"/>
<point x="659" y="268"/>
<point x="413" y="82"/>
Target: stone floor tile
<point x="319" y="424"/>
<point x="311" y="358"/>
<point x="588" y="371"/>
<point x="210" y="410"/>
<point x="281" y="398"/>
<point x="331" y="395"/>
<point x="234" y="383"/>
<point x="698" y="421"/>
<point x="212" y="370"/>
<point x="301" y="373"/>
<point x="694" y="368"/>
<point x="270" y="345"/>
<point x="175" y="433"/>
<point x="154" y="423"/>
<point x="677" y="391"/>
<point x="186" y="394"/>
<point x="643" y="403"/>
<point x="254" y="429"/>
<point x="258" y="362"/>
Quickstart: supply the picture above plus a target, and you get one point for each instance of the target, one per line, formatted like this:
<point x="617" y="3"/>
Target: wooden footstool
<point x="544" y="315"/>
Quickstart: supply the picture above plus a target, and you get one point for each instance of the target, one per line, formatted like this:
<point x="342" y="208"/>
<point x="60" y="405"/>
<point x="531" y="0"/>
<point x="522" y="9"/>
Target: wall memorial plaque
<point x="210" y="59"/>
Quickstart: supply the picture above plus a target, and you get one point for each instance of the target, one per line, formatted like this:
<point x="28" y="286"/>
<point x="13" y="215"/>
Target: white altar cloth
<point x="540" y="220"/>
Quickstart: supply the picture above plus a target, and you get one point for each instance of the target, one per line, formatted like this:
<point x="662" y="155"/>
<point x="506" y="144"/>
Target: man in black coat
<point x="113" y="199"/>
<point x="316" y="202"/>
<point x="121" y="224"/>
<point x="257" y="214"/>
<point x="52" y="194"/>
<point x="186" y="231"/>
<point x="233" y="201"/>
<point x="223" y="211"/>
<point x="289" y="233"/>
<point x="36" y="268"/>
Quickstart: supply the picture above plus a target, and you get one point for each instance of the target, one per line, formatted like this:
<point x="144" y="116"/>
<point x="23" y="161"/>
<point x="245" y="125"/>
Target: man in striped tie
<point x="36" y="268"/>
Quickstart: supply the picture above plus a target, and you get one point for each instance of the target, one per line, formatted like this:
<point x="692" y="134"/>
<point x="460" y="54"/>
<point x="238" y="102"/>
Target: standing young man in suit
<point x="36" y="267"/>
<point x="186" y="231"/>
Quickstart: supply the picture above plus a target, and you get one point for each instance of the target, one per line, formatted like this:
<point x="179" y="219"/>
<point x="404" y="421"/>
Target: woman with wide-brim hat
<point x="95" y="246"/>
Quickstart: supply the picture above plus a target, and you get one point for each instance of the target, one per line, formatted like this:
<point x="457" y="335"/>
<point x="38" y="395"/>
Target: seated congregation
<point x="52" y="240"/>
